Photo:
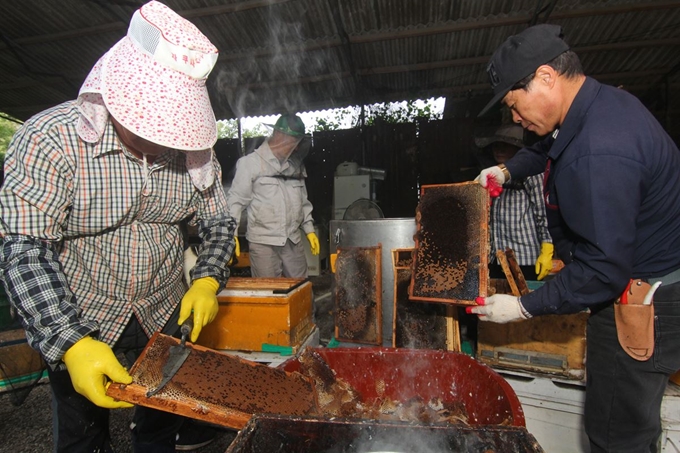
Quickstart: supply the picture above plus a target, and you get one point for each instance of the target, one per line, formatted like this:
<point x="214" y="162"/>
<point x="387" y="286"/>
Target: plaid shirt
<point x="518" y="221"/>
<point x="91" y="234"/>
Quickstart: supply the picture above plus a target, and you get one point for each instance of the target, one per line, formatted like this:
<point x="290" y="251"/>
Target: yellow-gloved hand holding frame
<point x="92" y="366"/>
<point x="201" y="299"/>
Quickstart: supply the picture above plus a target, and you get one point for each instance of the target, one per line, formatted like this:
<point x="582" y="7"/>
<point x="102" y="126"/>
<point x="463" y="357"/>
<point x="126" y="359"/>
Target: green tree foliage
<point x="391" y="112"/>
<point x="339" y="118"/>
<point x="229" y="129"/>
<point x="7" y="130"/>
<point x="336" y="119"/>
<point x="400" y="112"/>
<point x="258" y="131"/>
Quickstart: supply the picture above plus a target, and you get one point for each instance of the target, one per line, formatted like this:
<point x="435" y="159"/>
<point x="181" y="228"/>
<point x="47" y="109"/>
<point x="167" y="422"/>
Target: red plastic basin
<point x="403" y="374"/>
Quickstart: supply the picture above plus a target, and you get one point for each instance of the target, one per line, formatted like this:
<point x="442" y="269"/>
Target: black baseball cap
<point x="520" y="55"/>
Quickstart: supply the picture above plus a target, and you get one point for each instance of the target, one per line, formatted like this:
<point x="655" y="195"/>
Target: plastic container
<point x="347" y="169"/>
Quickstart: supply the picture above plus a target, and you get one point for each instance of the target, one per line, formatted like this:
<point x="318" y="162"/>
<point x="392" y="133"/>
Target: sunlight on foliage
<point x="401" y="112"/>
<point x="7" y="130"/>
<point x="229" y="129"/>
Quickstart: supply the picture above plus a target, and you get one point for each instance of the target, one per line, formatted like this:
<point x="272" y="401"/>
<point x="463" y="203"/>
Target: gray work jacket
<point x="274" y="195"/>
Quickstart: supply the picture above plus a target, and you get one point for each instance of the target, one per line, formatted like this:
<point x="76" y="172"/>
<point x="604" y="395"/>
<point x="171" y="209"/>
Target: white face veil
<point x="283" y="145"/>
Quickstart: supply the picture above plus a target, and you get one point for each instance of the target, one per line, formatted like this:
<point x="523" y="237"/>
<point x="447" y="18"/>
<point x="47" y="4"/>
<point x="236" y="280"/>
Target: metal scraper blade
<point x="177" y="355"/>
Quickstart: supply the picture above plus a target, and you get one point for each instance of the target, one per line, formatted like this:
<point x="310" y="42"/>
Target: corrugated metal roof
<point x="278" y="55"/>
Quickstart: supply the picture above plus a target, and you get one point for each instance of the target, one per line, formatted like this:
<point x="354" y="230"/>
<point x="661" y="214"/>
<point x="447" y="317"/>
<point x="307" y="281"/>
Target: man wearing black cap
<point x="613" y="204"/>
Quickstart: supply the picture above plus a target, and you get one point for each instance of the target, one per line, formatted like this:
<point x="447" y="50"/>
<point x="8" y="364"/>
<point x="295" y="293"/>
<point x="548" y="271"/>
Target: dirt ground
<point x="27" y="428"/>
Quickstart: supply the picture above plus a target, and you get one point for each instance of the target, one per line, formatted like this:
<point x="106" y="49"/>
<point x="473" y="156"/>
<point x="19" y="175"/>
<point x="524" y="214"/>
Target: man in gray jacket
<point x="270" y="185"/>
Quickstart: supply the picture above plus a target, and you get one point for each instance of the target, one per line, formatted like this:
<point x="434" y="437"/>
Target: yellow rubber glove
<point x="544" y="260"/>
<point x="92" y="366"/>
<point x="237" y="251"/>
<point x="201" y="299"/>
<point x="313" y="243"/>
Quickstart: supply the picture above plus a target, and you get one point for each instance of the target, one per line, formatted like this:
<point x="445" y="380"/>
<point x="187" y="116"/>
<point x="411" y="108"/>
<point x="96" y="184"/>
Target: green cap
<point x="290" y="124"/>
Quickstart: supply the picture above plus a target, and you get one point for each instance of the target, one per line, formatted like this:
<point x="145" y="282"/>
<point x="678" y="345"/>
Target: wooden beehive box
<point x="553" y="345"/>
<point x="257" y="311"/>
<point x="20" y="365"/>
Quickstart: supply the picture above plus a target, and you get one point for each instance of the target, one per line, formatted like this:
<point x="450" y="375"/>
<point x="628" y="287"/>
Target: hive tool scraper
<point x="176" y="357"/>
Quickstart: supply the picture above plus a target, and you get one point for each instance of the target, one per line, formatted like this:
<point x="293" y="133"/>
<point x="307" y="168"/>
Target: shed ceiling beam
<point x="627" y="45"/>
<point x="358" y="89"/>
<point x="31" y="82"/>
<point x="334" y="76"/>
<point x="483" y="60"/>
<point x="371" y="37"/>
<point x="228" y="9"/>
<point x="433" y="92"/>
<point x="410" y="68"/>
<point x="514" y="20"/>
<point x="119" y="25"/>
<point x="69" y="34"/>
<point x="290" y="82"/>
<point x="631" y="74"/>
<point x="321" y="45"/>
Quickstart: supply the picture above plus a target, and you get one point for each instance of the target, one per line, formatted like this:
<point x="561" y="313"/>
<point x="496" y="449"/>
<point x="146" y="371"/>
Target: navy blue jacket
<point x="613" y="199"/>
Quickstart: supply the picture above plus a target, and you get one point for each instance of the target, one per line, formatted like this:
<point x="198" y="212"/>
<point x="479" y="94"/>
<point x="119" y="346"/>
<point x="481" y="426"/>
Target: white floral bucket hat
<point x="153" y="81"/>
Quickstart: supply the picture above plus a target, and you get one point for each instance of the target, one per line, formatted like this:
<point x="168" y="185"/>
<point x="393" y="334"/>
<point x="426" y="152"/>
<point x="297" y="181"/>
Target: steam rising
<point x="269" y="83"/>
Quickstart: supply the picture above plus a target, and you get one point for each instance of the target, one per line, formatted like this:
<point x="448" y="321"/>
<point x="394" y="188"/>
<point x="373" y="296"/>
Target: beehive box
<point x="20" y="365"/>
<point x="553" y="345"/>
<point x="257" y="311"/>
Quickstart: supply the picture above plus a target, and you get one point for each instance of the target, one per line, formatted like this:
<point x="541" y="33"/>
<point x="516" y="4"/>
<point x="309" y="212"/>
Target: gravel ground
<point x="27" y="428"/>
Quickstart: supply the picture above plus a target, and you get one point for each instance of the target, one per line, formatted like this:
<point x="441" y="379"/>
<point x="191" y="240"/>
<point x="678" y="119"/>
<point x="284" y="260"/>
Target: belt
<point x="667" y="279"/>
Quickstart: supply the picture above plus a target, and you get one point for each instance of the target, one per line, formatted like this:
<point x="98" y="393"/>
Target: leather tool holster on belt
<point x="635" y="320"/>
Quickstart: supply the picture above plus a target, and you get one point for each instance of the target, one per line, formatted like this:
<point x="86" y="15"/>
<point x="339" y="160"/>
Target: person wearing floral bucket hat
<point x="91" y="246"/>
<point x="269" y="184"/>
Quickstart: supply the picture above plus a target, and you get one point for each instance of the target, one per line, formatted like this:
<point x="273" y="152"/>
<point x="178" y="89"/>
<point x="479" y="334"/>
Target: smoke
<point x="398" y="439"/>
<point x="230" y="86"/>
<point x="271" y="78"/>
